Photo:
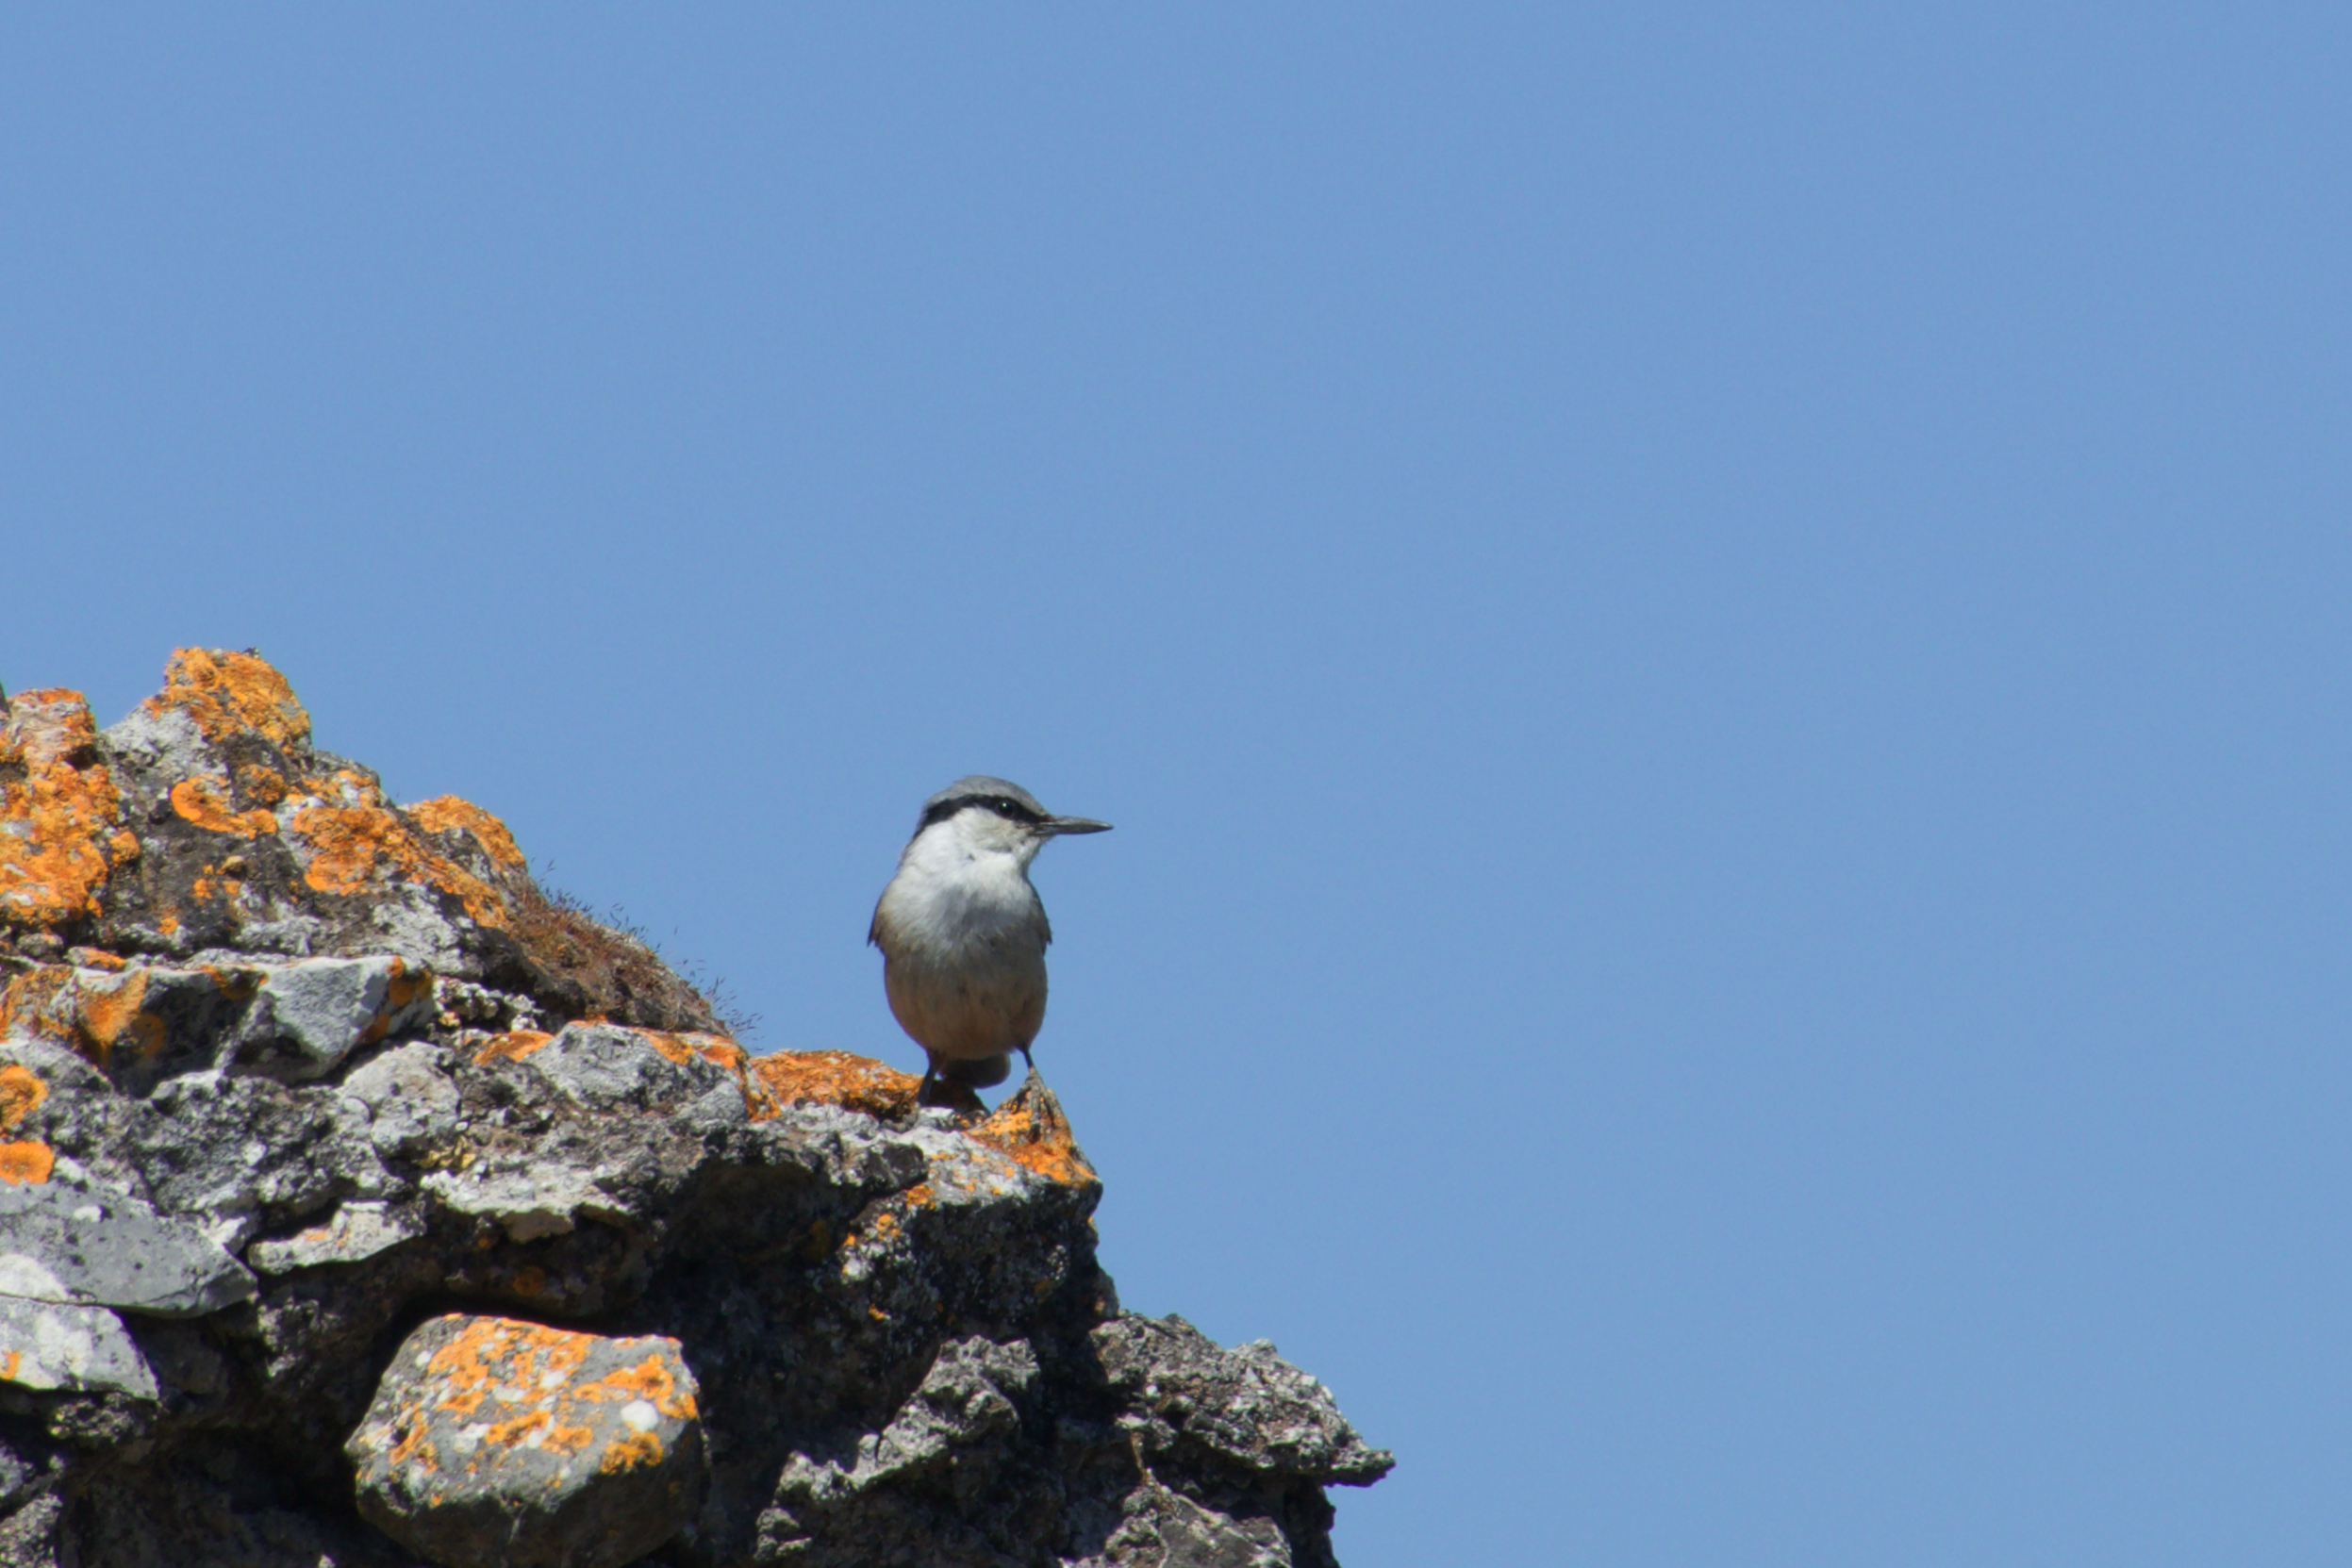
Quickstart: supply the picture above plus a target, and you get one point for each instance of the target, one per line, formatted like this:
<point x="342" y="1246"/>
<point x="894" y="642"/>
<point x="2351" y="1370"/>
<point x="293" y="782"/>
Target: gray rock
<point x="17" y="1478"/>
<point x="498" y="1444"/>
<point x="965" y="1399"/>
<point x="356" y="1231"/>
<point x="92" y="1249"/>
<point x="307" y="1016"/>
<point x="1247" y="1406"/>
<point x="605" y="1067"/>
<point x="46" y="1347"/>
<point x="410" y="1098"/>
<point x="907" y="1493"/>
<point x="529" y="1202"/>
<point x="246" y="1151"/>
<point x="28" y="1537"/>
<point x="1170" y="1531"/>
<point x="139" y="1023"/>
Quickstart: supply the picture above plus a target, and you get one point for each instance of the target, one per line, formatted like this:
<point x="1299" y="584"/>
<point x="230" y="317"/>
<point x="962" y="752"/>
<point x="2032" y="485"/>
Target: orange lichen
<point x="30" y="1005"/>
<point x="217" y="888"/>
<point x="60" y="819"/>
<point x="25" y="1162"/>
<point x="21" y="1094"/>
<point x="411" y="1446"/>
<point x="229" y="694"/>
<point x="504" y="1434"/>
<point x="521" y="1382"/>
<point x="530" y="1279"/>
<point x="513" y="1046"/>
<point x="234" y="985"/>
<point x="628" y="1452"/>
<point x="350" y="843"/>
<point x="568" y="1440"/>
<point x="498" y="1351"/>
<point x="1031" y="1128"/>
<point x="113" y="1015"/>
<point x="683" y="1049"/>
<point x="401" y="990"/>
<point x="669" y="1044"/>
<point x="447" y="813"/>
<point x="204" y="801"/>
<point x="265" y="785"/>
<point x="90" y="1010"/>
<point x="833" y="1077"/>
<point x="649" y="1380"/>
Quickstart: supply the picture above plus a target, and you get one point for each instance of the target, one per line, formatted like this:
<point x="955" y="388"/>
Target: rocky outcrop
<point x="361" y="1204"/>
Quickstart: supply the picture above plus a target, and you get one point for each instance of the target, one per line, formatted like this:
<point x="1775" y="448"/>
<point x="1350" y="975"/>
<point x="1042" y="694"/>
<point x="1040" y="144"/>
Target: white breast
<point x="951" y="894"/>
<point x="962" y="935"/>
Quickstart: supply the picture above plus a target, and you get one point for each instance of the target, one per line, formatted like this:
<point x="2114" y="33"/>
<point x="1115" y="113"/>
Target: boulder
<point x="494" y="1443"/>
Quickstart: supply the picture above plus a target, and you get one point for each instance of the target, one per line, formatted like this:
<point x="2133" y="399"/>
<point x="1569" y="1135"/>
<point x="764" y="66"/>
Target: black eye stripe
<point x="1004" y="806"/>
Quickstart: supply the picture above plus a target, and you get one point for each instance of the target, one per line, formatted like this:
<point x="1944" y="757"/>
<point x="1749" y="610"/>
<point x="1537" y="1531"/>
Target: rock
<point x="528" y="1202"/>
<point x="307" y="1016"/>
<point x="410" y="1099"/>
<point x="84" y="1248"/>
<point x="138" y="1023"/>
<point x="499" y="1444"/>
<point x="206" y="822"/>
<point x="541" y="1158"/>
<point x="72" y="1349"/>
<point x="951" y="1436"/>
<point x="604" y="1068"/>
<point x="1247" y="1406"/>
<point x="28" y="1534"/>
<point x="247" y="1152"/>
<point x="356" y="1231"/>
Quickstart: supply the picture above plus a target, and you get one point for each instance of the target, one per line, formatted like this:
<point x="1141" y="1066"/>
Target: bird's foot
<point x="948" y="1094"/>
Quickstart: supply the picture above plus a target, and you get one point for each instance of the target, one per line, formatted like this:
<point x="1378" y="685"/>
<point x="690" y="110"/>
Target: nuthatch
<point x="963" y="934"/>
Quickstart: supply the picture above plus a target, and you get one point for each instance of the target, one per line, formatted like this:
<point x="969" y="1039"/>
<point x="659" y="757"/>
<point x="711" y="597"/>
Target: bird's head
<point x="993" y="816"/>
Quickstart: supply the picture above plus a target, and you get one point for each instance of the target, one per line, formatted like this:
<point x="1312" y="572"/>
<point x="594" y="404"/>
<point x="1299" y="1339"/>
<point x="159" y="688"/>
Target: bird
<point x="963" y="933"/>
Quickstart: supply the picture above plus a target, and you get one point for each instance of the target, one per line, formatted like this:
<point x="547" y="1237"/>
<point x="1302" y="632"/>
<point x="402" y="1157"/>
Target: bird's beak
<point x="1075" y="824"/>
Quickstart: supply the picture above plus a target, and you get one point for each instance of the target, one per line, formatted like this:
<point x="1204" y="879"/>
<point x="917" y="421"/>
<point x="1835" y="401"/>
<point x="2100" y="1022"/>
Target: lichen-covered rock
<point x="294" y="1079"/>
<point x="499" y="1444"/>
<point x="206" y="825"/>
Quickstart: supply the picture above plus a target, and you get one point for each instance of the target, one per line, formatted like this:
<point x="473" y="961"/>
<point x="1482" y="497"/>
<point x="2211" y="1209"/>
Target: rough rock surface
<point x="347" y="1182"/>
<point x="495" y="1443"/>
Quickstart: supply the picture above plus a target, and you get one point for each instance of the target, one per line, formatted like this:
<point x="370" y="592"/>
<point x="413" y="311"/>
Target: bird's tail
<point x="980" y="1072"/>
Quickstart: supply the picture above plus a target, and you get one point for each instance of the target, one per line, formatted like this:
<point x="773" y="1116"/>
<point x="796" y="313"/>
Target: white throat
<point x="974" y="835"/>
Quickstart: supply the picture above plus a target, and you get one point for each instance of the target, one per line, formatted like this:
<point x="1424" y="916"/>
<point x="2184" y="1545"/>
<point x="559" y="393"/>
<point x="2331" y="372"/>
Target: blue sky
<point x="1716" y="635"/>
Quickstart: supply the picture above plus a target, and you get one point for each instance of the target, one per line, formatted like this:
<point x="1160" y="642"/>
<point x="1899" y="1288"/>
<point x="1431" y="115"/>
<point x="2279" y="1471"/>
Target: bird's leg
<point x="945" y="1090"/>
